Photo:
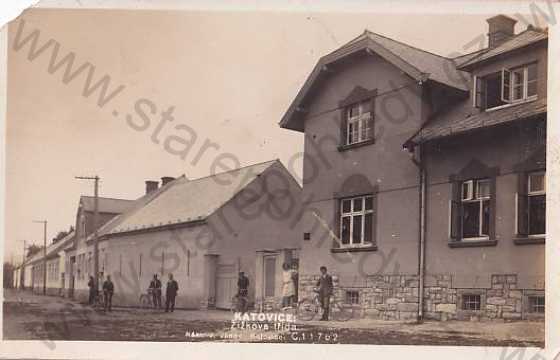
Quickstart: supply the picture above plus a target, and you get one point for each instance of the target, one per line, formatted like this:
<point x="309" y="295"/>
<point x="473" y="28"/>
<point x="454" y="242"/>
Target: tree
<point x="8" y="275"/>
<point x="33" y="249"/>
<point x="62" y="234"/>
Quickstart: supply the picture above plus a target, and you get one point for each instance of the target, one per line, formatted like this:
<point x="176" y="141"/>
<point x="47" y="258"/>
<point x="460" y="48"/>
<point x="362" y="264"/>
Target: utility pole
<point x="95" y="223"/>
<point x="44" y="222"/>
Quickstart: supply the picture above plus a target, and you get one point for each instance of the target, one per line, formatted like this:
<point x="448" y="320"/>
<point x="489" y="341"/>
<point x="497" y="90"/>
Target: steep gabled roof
<point x="521" y="40"/>
<point x="106" y="205"/>
<point x="419" y="64"/>
<point x="186" y="201"/>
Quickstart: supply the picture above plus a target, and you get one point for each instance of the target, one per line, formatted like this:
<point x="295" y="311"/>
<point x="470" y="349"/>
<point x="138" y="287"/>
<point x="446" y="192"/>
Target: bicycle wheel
<point x="306" y="310"/>
<point x="234" y="307"/>
<point x="144" y="301"/>
<point x="342" y="312"/>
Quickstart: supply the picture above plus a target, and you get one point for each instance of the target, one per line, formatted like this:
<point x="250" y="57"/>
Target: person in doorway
<point x="155" y="289"/>
<point x="288" y="286"/>
<point x="242" y="291"/>
<point x="92" y="290"/>
<point x="295" y="278"/>
<point x="108" y="289"/>
<point x="325" y="285"/>
<point x="170" y="294"/>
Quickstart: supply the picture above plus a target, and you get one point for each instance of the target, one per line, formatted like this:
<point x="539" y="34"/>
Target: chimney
<point x="151" y="186"/>
<point x="166" y="179"/>
<point x="500" y="29"/>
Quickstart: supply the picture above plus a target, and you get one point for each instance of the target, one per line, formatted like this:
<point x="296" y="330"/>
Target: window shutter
<point x="374" y="220"/>
<point x="343" y="126"/>
<point x="506" y="85"/>
<point x="338" y="224"/>
<point x="455" y="216"/>
<point x="478" y="92"/>
<point x="371" y="124"/>
<point x="522" y="206"/>
<point x="492" y="225"/>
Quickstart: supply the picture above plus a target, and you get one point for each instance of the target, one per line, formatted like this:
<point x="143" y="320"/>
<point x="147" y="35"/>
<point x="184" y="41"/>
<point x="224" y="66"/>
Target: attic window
<point x="508" y="86"/>
<point x="359" y="123"/>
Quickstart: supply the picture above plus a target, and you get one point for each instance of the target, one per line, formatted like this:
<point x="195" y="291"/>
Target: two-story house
<point x="79" y="256"/>
<point x="453" y="226"/>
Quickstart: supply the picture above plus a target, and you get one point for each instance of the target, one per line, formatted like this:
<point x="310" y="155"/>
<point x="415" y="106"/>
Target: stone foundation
<point x="395" y="297"/>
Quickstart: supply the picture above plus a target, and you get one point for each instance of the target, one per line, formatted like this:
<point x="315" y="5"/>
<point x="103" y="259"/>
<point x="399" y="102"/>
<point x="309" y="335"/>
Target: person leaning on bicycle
<point x="242" y="291"/>
<point x="325" y="291"/>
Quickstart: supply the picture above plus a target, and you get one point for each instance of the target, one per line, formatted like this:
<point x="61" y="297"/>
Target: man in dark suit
<point x="155" y="288"/>
<point x="170" y="294"/>
<point x="325" y="285"/>
<point x="108" y="290"/>
<point x="242" y="291"/>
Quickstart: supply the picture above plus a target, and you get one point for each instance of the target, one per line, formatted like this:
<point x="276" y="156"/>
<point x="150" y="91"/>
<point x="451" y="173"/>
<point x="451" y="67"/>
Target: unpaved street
<point x="28" y="317"/>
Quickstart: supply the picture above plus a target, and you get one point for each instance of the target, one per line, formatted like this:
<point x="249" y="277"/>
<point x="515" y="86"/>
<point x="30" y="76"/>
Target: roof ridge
<point x="104" y="197"/>
<point x="111" y="228"/>
<point x="232" y="170"/>
<point x="470" y="53"/>
<point x="112" y="224"/>
<point x="408" y="45"/>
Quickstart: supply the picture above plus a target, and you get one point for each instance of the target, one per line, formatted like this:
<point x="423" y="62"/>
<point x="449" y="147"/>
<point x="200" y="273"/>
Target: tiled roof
<point x="462" y="118"/>
<point x="437" y="67"/>
<point x="419" y="64"/>
<point x="53" y="249"/>
<point x="520" y="40"/>
<point x="183" y="200"/>
<point x="106" y="205"/>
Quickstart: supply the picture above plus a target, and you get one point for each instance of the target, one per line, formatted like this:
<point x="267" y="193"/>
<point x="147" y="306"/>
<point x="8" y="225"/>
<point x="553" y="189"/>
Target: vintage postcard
<point x="295" y="175"/>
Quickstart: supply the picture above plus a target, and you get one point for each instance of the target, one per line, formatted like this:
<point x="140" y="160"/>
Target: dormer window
<point x="505" y="87"/>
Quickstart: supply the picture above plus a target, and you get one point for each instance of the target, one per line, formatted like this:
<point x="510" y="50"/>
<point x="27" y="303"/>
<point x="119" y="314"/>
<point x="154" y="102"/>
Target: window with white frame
<point x="536" y="304"/>
<point x="507" y="86"/>
<point x="471" y="302"/>
<point x="356" y="221"/>
<point x="536" y="208"/>
<point x="475" y="203"/>
<point x="359" y="122"/>
<point x="352" y="297"/>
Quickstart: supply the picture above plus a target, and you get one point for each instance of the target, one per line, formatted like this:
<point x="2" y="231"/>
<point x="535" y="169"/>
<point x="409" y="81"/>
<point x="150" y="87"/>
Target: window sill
<point x="355" y="145"/>
<point x="472" y="243"/>
<point x="530" y="240"/>
<point x="513" y="103"/>
<point x="354" y="249"/>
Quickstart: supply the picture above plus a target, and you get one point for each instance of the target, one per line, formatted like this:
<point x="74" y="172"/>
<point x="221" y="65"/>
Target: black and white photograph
<point x="291" y="175"/>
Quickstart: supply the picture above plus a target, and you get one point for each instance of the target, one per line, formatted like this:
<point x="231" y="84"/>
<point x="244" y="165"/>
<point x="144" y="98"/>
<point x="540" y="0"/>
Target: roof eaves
<point x="479" y="59"/>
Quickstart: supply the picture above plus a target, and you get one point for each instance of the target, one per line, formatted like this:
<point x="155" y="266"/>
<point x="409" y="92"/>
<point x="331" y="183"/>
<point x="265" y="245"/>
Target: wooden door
<point x="269" y="276"/>
<point x="226" y="284"/>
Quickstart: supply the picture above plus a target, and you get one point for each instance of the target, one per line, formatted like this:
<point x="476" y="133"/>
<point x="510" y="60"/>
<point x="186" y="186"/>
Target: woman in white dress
<point x="288" y="288"/>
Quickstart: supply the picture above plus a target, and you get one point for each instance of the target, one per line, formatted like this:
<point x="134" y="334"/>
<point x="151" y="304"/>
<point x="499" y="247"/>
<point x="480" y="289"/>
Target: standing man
<point x="92" y="290"/>
<point x="325" y="285"/>
<point x="242" y="291"/>
<point x="155" y="288"/>
<point x="170" y="294"/>
<point x="108" y="290"/>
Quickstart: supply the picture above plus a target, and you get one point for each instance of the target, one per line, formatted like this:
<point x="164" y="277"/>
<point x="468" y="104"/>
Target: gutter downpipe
<point x="417" y="159"/>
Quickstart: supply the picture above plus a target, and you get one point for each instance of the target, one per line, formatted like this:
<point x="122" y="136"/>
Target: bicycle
<point x="98" y="302"/>
<point x="239" y="303"/>
<point x="310" y="307"/>
<point x="146" y="299"/>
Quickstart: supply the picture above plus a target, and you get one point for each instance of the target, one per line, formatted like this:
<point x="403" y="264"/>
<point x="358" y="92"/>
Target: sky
<point x="228" y="76"/>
